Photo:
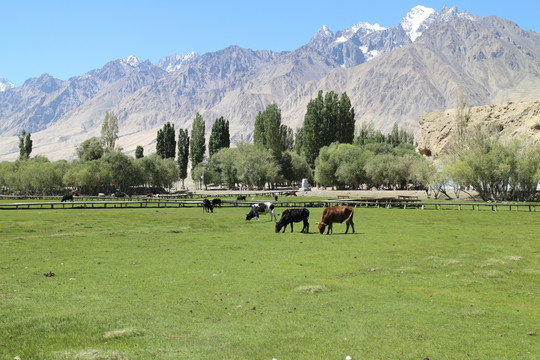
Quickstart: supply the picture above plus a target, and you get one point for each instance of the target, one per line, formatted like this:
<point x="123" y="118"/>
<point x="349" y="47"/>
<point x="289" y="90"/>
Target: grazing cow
<point x="216" y="202"/>
<point x="67" y="197"/>
<point x="207" y="206"/>
<point x="291" y="216"/>
<point x="241" y="197"/>
<point x="261" y="208"/>
<point x="336" y="214"/>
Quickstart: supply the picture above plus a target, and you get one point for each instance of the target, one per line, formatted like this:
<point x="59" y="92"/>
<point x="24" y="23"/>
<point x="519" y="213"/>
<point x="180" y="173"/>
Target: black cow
<point x="207" y="206"/>
<point x="291" y="216"/>
<point x="67" y="197"/>
<point x="261" y="208"/>
<point x="216" y="202"/>
<point x="241" y="197"/>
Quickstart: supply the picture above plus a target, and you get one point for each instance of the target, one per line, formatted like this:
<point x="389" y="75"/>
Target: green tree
<point x="328" y="119"/>
<point x="351" y="162"/>
<point x="109" y="131"/>
<point x="122" y="170"/>
<point x="197" y="144"/>
<point x="183" y="153"/>
<point x="313" y="131"/>
<point x="287" y="138"/>
<point x="259" y="134"/>
<point x="25" y="145"/>
<point x="219" y="137"/>
<point x="298" y="140"/>
<point x="268" y="131"/>
<point x="497" y="171"/>
<point x="225" y="165"/>
<point x="139" y="152"/>
<point x="166" y="142"/>
<point x="345" y="121"/>
<point x="91" y="149"/>
<point x="256" y="166"/>
<point x="326" y="166"/>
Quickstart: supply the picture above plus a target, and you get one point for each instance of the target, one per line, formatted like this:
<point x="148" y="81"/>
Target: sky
<point x="69" y="38"/>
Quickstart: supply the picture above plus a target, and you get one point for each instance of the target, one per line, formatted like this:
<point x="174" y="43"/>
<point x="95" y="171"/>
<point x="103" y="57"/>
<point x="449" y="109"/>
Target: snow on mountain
<point x="131" y="60"/>
<point x="5" y="84"/>
<point x="420" y="18"/>
<point x="350" y="32"/>
<point x="417" y="21"/>
<point x="175" y="62"/>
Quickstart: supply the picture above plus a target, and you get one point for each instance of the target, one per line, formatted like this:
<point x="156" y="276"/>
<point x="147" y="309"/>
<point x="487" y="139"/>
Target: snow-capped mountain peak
<point x="175" y="62"/>
<point x="5" y="84"/>
<point x="323" y="34"/>
<point x="131" y="60"/>
<point x="366" y="27"/>
<point x="417" y="20"/>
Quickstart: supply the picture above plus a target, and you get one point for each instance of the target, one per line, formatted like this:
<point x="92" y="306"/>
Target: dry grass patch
<point x="122" y="333"/>
<point x="92" y="354"/>
<point x="311" y="289"/>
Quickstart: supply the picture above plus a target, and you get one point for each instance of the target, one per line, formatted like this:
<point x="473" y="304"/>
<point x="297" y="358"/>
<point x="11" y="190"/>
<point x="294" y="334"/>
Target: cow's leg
<point x="284" y="227"/>
<point x="352" y="225"/>
<point x="305" y="229"/>
<point x="292" y="227"/>
<point x="329" y="228"/>
<point x="347" y="229"/>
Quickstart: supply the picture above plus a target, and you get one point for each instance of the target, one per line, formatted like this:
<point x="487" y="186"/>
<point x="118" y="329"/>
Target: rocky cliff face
<point x="513" y="121"/>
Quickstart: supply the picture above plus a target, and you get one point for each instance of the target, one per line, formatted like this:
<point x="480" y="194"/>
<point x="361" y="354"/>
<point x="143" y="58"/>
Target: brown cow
<point x="336" y="214"/>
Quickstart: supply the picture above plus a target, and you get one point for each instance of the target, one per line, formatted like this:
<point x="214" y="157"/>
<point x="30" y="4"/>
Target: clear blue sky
<point x="69" y="38"/>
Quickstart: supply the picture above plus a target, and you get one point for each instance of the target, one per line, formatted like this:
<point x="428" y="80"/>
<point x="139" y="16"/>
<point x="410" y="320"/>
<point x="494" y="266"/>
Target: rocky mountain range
<point x="391" y="75"/>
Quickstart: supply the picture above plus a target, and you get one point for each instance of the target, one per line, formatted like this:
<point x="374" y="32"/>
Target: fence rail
<point x="388" y="203"/>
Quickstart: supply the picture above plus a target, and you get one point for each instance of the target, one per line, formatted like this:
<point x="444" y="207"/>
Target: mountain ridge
<point x="388" y="77"/>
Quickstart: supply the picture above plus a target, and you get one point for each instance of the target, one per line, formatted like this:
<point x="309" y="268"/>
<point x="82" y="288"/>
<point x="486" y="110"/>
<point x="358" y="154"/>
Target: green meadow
<point x="177" y="283"/>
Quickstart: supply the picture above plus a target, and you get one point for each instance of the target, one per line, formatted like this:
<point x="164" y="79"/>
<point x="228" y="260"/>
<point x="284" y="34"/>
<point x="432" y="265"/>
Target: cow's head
<point x="278" y="227"/>
<point x="322" y="227"/>
<point x="250" y="215"/>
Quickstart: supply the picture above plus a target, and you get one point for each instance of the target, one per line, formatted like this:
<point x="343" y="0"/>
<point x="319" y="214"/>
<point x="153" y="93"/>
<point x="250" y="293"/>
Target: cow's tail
<point x="350" y="216"/>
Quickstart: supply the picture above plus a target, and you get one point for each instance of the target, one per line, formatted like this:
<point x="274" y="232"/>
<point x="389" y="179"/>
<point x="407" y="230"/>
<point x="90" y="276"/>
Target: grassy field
<point x="175" y="283"/>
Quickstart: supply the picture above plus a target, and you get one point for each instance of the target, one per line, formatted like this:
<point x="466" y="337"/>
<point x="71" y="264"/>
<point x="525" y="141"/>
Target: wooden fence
<point x="167" y="202"/>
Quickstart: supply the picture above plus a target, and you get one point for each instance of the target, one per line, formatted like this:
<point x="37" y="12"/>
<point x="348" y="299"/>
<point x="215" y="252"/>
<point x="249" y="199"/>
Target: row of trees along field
<point x="324" y="150"/>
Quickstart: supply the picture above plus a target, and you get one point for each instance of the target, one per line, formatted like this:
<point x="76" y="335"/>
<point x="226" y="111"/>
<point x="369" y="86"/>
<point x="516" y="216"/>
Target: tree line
<point x="324" y="150"/>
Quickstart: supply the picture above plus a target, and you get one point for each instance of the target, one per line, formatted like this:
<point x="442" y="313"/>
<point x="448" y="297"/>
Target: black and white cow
<point x="261" y="208"/>
<point x="207" y="206"/>
<point x="291" y="216"/>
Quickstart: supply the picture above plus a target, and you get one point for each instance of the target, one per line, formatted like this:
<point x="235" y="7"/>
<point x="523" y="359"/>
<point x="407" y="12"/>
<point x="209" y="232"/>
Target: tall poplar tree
<point x="328" y="119"/>
<point x="198" y="143"/>
<point x="166" y="142"/>
<point x="25" y="145"/>
<point x="313" y="135"/>
<point x="183" y="153"/>
<point x="109" y="131"/>
<point x="345" y="129"/>
<point x="219" y="137"/>
<point x="268" y="130"/>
